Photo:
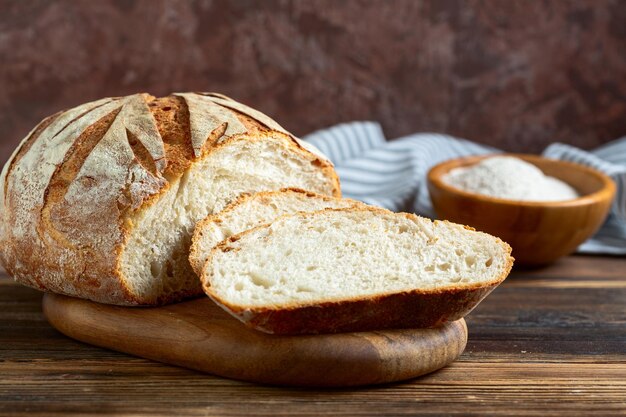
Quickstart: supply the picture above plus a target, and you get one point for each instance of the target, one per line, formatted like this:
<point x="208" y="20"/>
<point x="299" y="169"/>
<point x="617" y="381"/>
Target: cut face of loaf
<point x="252" y="210"/>
<point x="100" y="201"/>
<point x="353" y="270"/>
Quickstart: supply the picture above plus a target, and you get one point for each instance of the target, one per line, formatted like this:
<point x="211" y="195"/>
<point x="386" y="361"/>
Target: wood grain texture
<point x="200" y="335"/>
<point x="546" y="342"/>
<point x="538" y="232"/>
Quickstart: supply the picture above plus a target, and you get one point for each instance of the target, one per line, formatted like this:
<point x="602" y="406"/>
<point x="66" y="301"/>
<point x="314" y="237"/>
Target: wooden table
<point x="547" y="342"/>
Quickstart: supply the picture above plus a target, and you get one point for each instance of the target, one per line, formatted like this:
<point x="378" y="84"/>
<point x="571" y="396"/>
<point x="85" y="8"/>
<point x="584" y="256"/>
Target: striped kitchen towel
<point x="393" y="174"/>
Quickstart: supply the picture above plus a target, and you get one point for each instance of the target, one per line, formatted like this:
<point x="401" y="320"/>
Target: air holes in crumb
<point x="301" y="288"/>
<point x="311" y="268"/>
<point x="470" y="261"/>
<point x="444" y="266"/>
<point x="155" y="269"/>
<point x="403" y="229"/>
<point x="239" y="286"/>
<point x="288" y="252"/>
<point x="489" y="262"/>
<point x="261" y="281"/>
<point x="458" y="252"/>
<point x="429" y="268"/>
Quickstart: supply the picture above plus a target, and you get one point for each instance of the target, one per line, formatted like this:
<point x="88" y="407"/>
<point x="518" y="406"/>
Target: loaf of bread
<point x="353" y="269"/>
<point x="100" y="201"/>
<point x="252" y="210"/>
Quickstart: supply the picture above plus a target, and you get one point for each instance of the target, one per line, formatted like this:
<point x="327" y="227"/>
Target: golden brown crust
<point x="172" y="119"/>
<point x="30" y="257"/>
<point x="27" y="143"/>
<point x="71" y="190"/>
<point x="417" y="308"/>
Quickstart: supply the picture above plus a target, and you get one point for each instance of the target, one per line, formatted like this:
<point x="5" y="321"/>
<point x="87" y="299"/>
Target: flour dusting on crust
<point x="72" y="190"/>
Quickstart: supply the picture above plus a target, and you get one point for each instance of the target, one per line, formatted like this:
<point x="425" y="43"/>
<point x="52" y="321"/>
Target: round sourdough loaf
<point x="100" y="201"/>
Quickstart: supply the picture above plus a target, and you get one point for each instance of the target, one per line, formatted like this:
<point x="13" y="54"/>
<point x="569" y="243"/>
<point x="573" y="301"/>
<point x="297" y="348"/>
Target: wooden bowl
<point x="538" y="232"/>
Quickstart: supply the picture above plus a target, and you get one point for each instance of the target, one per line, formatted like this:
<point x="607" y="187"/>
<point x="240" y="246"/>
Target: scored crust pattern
<point x="70" y="187"/>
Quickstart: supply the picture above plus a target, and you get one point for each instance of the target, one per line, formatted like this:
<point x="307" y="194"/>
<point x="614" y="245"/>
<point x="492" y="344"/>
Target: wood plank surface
<point x="547" y="342"/>
<point x="199" y="335"/>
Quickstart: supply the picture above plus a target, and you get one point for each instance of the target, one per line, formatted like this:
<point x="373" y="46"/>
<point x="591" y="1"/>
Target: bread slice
<point x="354" y="269"/>
<point x="100" y="201"/>
<point x="252" y="210"/>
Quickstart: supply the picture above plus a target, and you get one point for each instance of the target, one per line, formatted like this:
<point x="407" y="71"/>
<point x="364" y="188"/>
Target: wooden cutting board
<point x="199" y="335"/>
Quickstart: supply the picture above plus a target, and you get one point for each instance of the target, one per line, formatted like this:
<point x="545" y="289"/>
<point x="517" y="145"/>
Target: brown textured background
<point x="515" y="74"/>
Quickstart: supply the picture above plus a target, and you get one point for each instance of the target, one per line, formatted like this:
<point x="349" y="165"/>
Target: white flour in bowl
<point x="509" y="178"/>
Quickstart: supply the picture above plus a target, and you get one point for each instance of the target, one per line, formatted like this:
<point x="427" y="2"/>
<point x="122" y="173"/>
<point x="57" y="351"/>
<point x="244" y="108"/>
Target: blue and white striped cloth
<point x="393" y="174"/>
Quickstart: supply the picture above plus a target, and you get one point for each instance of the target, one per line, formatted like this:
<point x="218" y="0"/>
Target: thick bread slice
<point x="354" y="270"/>
<point x="100" y="201"/>
<point x="252" y="210"/>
